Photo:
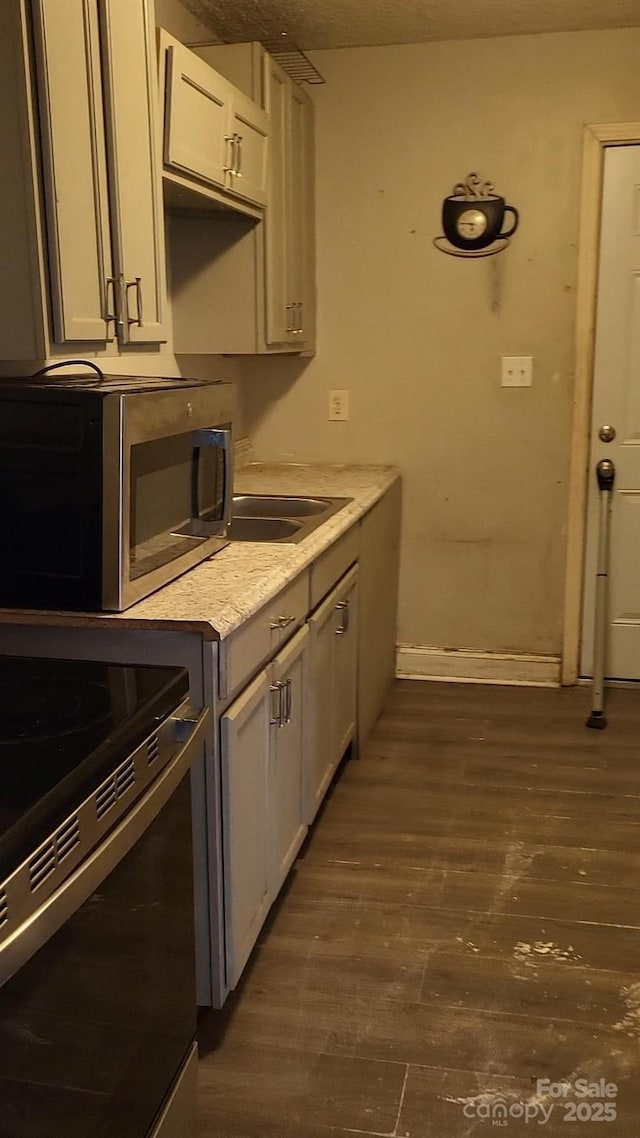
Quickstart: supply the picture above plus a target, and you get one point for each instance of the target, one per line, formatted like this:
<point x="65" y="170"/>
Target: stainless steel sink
<point x="279" y="517"/>
<point x="263" y="529"/>
<point x="277" y="506"/>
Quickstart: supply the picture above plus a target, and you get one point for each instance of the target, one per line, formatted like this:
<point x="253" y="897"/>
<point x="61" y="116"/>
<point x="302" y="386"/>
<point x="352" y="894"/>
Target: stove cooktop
<point x="62" y="724"/>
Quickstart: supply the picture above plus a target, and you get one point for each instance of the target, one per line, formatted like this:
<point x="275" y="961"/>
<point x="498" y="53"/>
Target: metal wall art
<point x="472" y="220"/>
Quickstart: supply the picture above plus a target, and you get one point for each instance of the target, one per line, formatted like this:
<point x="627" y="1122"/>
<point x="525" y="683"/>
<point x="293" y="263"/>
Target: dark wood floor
<point x="465" y="920"/>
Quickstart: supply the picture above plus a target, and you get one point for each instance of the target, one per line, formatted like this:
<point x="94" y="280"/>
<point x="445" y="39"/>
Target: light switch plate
<point x="517" y="371"/>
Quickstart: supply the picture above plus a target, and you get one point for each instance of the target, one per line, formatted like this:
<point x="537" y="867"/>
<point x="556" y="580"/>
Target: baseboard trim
<point x="462" y="665"/>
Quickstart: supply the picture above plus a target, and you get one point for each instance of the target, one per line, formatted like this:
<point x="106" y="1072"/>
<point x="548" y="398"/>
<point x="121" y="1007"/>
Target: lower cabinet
<point x="331" y="705"/>
<point x="262" y="745"/>
<point x="286" y="753"/>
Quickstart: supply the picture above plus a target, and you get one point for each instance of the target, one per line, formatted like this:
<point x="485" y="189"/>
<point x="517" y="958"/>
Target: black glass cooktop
<point x="62" y="724"/>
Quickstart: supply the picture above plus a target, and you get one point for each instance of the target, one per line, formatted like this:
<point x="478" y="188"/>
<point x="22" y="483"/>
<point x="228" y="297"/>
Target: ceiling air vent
<point x="293" y="60"/>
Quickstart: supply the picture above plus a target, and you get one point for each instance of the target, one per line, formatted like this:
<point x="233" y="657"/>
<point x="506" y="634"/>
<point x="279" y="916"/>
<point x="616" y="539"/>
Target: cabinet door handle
<point x="137" y="284"/>
<point x="276" y="717"/>
<point x="300" y="328"/>
<point x="109" y="283"/>
<point x="287" y="701"/>
<point x="289" y="309"/>
<point x="230" y="140"/>
<point x="343" y="608"/>
<point x="238" y="169"/>
<point x="281" y="622"/>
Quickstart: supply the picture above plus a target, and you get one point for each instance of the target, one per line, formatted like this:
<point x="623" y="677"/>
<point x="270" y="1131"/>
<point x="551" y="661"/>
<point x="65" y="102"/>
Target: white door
<point x="73" y="150"/>
<point x="250" y="131"/>
<point x="244" y="731"/>
<point x="135" y="190"/>
<point x="616" y="404"/>
<point x="197" y="125"/>
<point x="286" y="826"/>
<point x="278" y="323"/>
<point x="345" y="670"/>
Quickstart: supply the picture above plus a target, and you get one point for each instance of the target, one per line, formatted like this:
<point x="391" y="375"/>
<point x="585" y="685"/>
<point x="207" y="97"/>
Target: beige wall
<point x="417" y="336"/>
<point x="175" y="19"/>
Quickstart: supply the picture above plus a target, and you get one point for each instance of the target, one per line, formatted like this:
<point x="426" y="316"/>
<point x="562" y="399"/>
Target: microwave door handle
<point x="221" y="437"/>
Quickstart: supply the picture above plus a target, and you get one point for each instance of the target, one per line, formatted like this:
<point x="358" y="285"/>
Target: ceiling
<point x="311" y="24"/>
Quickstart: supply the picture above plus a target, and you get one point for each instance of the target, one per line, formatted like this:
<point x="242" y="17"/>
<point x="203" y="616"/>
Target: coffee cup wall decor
<point x="473" y="220"/>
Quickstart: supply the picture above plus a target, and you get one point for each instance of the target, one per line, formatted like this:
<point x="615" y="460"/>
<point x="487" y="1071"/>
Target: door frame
<point x="597" y="136"/>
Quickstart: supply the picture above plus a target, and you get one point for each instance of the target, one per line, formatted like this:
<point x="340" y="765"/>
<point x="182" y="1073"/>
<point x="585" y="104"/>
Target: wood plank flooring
<point x="464" y="921"/>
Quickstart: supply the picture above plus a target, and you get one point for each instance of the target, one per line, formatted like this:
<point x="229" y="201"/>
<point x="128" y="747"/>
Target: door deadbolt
<point x="607" y="434"/>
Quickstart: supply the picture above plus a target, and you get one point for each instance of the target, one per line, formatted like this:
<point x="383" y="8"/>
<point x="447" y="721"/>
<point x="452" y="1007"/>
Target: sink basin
<point x="262" y="529"/>
<point x="277" y="506"/>
<point x="278" y="517"/>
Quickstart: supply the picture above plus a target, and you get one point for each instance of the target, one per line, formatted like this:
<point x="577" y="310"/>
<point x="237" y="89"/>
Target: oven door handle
<point x="40" y="926"/>
<point x="221" y="437"/>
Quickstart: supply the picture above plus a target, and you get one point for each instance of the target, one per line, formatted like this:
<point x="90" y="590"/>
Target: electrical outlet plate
<point x="517" y="371"/>
<point x="338" y="405"/>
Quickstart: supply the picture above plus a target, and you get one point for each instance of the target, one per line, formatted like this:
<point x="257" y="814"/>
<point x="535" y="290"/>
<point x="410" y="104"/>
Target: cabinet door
<point x="197" y="137"/>
<point x="278" y="302"/>
<point x="249" y="131"/>
<point x="344" y="671"/>
<point x="135" y="193"/>
<point x="301" y="237"/>
<point x="286" y="824"/>
<point x="245" y="733"/>
<point x="319" y="763"/>
<point x="332" y="689"/>
<point x="73" y="147"/>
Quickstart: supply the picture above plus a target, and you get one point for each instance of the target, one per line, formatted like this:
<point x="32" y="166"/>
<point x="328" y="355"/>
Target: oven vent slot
<point x="153" y="749"/>
<point x="67" y="837"/>
<point x="4" y="908"/>
<point x="53" y="852"/>
<point x="115" y="787"/>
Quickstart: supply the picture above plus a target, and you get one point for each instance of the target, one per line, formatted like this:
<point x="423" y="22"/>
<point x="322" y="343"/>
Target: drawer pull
<point x="281" y="622"/>
<point x="287" y="701"/>
<point x="343" y="608"/>
<point x="277" y="713"/>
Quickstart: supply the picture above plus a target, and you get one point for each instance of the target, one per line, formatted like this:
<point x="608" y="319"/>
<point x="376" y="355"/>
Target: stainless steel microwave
<point x="109" y="487"/>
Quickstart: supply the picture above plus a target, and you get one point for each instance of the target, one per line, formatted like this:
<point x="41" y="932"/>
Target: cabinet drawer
<point x="333" y="564"/>
<point x="243" y="652"/>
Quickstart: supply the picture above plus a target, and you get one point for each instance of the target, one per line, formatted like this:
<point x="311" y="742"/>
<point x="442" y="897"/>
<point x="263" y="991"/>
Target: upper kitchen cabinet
<point x="213" y="133"/>
<point x="245" y="286"/>
<point x="81" y="217"/>
<point x="289" y="253"/>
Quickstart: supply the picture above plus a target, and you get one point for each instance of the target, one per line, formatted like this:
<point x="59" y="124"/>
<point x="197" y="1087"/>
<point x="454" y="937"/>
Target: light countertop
<point x="220" y="594"/>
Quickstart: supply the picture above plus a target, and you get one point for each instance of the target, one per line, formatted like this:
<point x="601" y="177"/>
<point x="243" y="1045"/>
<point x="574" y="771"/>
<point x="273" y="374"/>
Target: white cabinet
<point x="242" y="286"/>
<point x="289" y="259"/>
<point x="286" y="825"/>
<point x="74" y="161"/>
<point x="100" y="269"/>
<point x="262" y="742"/>
<point x="333" y="668"/>
<point x="133" y="168"/>
<point x="245" y="735"/>
<point x="213" y="133"/>
<point x="81" y="224"/>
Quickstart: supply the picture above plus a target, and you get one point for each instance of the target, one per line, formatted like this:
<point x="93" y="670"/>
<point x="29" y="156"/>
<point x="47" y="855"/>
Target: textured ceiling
<point x="314" y="24"/>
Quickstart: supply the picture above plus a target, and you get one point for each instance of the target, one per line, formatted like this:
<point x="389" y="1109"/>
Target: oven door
<point x="175" y="487"/>
<point x="97" y="1027"/>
